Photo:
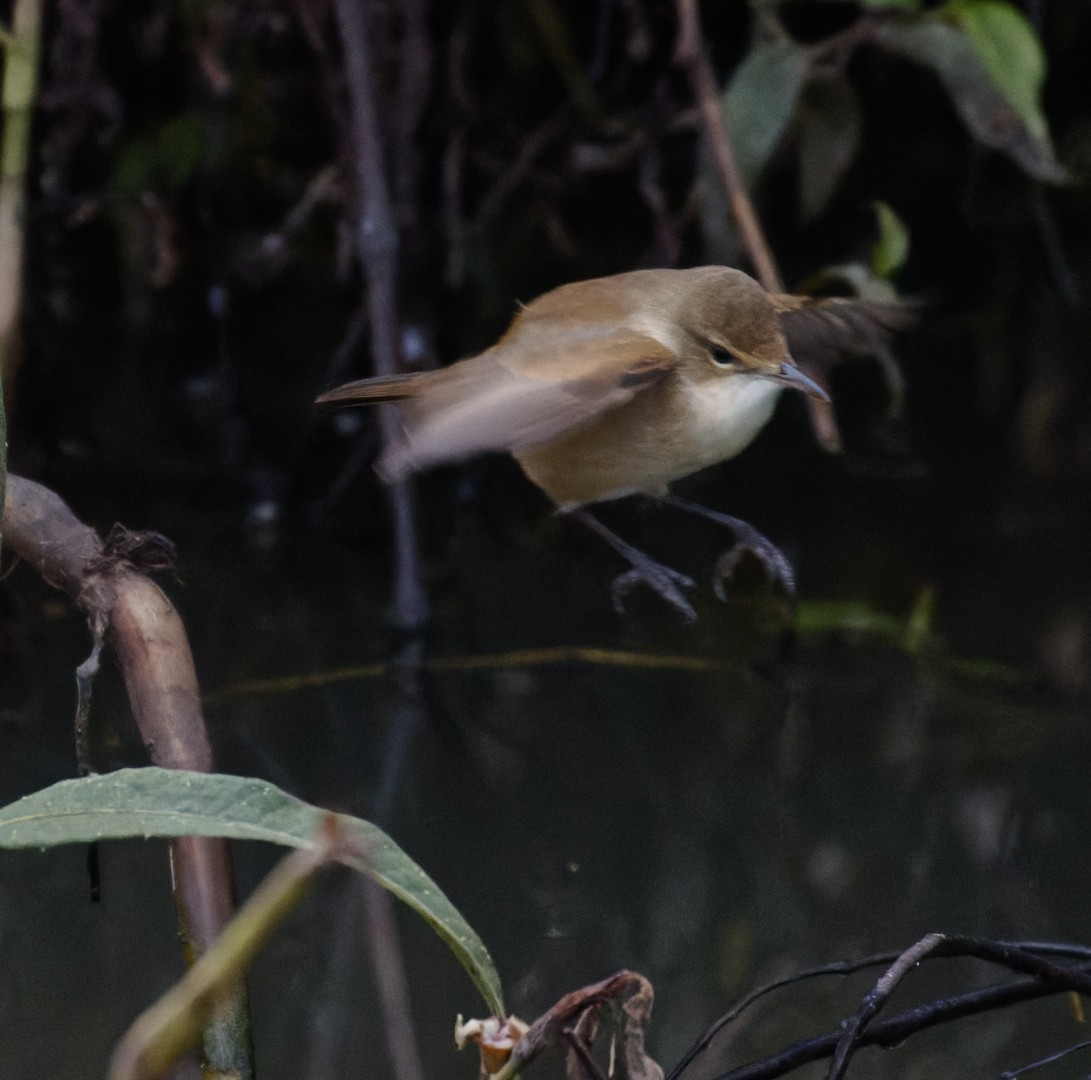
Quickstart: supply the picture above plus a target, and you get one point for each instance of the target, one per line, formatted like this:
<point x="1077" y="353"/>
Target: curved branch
<point x="149" y="640"/>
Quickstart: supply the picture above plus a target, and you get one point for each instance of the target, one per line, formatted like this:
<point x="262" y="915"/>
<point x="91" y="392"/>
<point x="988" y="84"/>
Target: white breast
<point x="725" y="416"/>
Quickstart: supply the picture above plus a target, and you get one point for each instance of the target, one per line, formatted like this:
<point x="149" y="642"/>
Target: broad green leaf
<point x="892" y="247"/>
<point x="153" y="802"/>
<point x="761" y="100"/>
<point x="949" y="50"/>
<point x="1011" y="53"/>
<point x="828" y="133"/>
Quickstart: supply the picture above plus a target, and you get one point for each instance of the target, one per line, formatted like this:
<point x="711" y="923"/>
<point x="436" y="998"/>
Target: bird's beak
<point x="791" y="376"/>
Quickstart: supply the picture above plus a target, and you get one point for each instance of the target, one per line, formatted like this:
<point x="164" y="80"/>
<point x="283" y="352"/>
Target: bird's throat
<point x="722" y="416"/>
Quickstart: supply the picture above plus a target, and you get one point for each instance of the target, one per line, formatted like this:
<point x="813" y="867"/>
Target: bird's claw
<point x="747" y="539"/>
<point x="665" y="582"/>
<point x="775" y="562"/>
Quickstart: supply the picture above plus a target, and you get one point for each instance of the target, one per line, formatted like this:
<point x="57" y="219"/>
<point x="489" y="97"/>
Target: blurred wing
<point x="505" y="400"/>
<point x="821" y="331"/>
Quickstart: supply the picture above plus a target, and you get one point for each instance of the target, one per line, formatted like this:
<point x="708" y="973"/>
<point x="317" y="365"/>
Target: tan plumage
<point x="622" y="384"/>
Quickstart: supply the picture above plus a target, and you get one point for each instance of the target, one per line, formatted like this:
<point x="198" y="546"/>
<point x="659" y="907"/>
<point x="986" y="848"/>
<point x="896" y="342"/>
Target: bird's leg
<point x="747" y="538"/>
<point x="644" y="570"/>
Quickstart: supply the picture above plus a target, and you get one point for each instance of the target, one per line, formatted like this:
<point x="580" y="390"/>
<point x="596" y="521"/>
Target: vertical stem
<point x="19" y="93"/>
<point x="149" y="641"/>
<point x="382" y="931"/>
<point x="377" y="246"/>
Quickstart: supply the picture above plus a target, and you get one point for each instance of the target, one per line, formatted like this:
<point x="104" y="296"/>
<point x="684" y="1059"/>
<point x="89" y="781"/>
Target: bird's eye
<point x="721" y="357"/>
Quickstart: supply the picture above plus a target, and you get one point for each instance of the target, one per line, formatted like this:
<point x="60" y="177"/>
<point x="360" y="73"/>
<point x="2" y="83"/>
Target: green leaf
<point x="761" y="100"/>
<point x="852" y="616"/>
<point x="155" y="802"/>
<point x="950" y="51"/>
<point x="828" y="132"/>
<point x="892" y="247"/>
<point x="1011" y="53"/>
<point x="847" y="616"/>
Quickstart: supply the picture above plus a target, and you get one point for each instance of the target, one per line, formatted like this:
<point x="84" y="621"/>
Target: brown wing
<point x="820" y="331"/>
<point x="503" y="400"/>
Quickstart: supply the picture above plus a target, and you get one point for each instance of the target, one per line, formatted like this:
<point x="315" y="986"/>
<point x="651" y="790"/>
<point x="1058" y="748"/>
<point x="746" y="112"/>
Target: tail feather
<point x="372" y="391"/>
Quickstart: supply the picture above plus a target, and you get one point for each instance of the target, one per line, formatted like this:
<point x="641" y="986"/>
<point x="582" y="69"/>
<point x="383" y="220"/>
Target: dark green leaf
<point x="828" y="129"/>
<point x="949" y="50"/>
<point x="167" y="802"/>
<point x="1011" y="53"/>
<point x="892" y="247"/>
<point x="761" y="100"/>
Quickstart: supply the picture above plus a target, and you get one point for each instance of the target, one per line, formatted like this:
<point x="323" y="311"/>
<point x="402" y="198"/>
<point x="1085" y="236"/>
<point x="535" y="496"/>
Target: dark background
<point x="826" y="791"/>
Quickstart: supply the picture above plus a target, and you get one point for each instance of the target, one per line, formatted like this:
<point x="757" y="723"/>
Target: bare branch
<point x="148" y="637"/>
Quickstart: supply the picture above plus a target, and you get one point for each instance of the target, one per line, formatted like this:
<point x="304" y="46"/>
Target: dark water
<point x="807" y="795"/>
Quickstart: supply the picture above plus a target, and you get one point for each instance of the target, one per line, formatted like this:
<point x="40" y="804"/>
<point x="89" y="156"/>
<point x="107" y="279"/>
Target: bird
<point x="620" y="385"/>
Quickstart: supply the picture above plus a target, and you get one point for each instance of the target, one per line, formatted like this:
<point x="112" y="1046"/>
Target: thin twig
<point x="560" y="654"/>
<point x="411" y="97"/>
<point x="85" y="680"/>
<point x="1027" y="953"/>
<point x="377" y="246"/>
<point x="876" y="998"/>
<point x="666" y="242"/>
<point x="1011" y="1074"/>
<point x="842" y="967"/>
<point x="1008" y="955"/>
<point x="18" y="97"/>
<point x="532" y="148"/>
<point x="894" y="1030"/>
<point x="898" y="1028"/>
<point x="690" y="54"/>
<point x="391" y="980"/>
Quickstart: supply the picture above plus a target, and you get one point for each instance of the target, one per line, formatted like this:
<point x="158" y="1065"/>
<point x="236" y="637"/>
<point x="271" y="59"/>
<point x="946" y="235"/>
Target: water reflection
<point x="784" y="800"/>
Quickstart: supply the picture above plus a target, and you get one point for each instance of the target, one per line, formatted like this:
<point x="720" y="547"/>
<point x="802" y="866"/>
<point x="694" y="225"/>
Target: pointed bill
<point x="791" y="376"/>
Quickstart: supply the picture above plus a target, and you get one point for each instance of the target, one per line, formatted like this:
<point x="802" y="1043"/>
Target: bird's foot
<point x="749" y="541"/>
<point x="665" y="582"/>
